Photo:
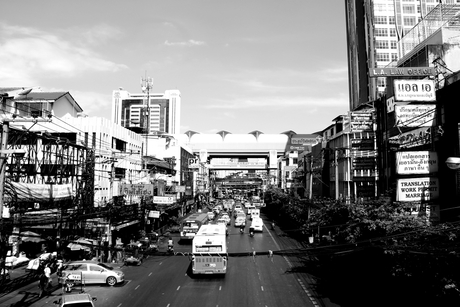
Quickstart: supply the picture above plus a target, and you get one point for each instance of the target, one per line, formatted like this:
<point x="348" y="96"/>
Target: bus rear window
<point x="208" y="248"/>
<point x="190" y="224"/>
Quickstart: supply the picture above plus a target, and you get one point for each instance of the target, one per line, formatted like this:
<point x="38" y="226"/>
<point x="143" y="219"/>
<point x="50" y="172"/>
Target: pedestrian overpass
<point x="251" y="151"/>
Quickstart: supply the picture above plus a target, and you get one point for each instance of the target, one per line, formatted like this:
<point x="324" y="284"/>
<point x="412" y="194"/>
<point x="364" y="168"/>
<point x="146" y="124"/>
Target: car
<point x="227" y="218"/>
<point x="76" y="300"/>
<point x="91" y="272"/>
<point x="238" y="206"/>
<point x="257" y="224"/>
<point x="240" y="221"/>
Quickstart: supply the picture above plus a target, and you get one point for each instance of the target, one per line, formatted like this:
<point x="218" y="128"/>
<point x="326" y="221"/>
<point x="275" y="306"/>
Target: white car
<point x="240" y="221"/>
<point x="257" y="224"/>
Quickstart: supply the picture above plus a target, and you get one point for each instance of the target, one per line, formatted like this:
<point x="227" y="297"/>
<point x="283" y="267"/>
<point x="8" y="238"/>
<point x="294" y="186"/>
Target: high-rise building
<point x="374" y="28"/>
<point x="147" y="113"/>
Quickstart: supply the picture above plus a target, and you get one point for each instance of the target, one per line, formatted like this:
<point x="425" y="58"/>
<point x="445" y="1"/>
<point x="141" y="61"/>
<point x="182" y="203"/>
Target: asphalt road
<point x="164" y="280"/>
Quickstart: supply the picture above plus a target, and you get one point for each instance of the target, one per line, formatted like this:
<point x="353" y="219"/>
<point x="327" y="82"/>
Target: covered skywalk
<point x="225" y="150"/>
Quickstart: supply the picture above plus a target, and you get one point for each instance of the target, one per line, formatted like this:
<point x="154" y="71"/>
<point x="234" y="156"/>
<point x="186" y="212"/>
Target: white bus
<point x="209" y="250"/>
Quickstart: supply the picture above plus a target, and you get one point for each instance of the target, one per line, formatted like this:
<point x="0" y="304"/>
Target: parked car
<point x="76" y="300"/>
<point x="91" y="272"/>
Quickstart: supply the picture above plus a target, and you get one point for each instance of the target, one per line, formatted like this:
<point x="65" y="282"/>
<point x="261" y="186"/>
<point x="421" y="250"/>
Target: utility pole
<point x="147" y="85"/>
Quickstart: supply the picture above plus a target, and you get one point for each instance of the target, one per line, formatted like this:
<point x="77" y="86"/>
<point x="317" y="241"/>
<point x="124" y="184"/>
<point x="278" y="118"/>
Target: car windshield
<point x="105" y="266"/>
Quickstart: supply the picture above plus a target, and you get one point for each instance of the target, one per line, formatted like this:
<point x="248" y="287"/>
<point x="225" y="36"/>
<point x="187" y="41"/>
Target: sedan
<point x="90" y="272"/>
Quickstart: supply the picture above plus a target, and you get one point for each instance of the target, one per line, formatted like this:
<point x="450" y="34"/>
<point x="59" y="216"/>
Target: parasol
<point x="29" y="236"/>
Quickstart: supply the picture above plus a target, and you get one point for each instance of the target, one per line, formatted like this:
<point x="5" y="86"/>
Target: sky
<point x="240" y="65"/>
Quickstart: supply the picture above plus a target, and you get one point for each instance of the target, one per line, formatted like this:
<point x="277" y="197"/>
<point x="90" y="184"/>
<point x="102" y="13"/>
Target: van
<point x="257" y="224"/>
<point x="255" y="213"/>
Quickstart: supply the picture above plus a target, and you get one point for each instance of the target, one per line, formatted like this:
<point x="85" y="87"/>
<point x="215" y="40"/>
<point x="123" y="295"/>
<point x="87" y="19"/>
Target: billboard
<point x="361" y="121"/>
<point x="413" y="138"/>
<point x="137" y="189"/>
<point x="414" y="90"/>
<point x="417" y="189"/>
<point x="415" y="115"/>
<point x="416" y="162"/>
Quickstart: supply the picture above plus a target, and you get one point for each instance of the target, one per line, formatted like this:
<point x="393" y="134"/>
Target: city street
<point x="166" y="280"/>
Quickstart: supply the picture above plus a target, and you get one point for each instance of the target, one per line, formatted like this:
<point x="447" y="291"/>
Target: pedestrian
<point x="47" y="272"/>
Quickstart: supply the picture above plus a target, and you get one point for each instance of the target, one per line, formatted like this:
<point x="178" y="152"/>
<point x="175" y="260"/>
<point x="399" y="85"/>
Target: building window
<point x="381" y="82"/>
<point x="381" y="44"/>
<point x="383" y="57"/>
<point x="394" y="57"/>
<point x="410" y="21"/>
<point x="393" y="45"/>
<point x="380" y="20"/>
<point x="408" y="9"/>
<point x="393" y="32"/>
<point x="381" y="32"/>
<point x="391" y="20"/>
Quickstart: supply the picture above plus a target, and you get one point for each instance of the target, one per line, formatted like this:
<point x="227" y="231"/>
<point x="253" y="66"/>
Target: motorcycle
<point x="241" y="230"/>
<point x="67" y="284"/>
<point x="170" y="249"/>
<point x="251" y="232"/>
<point x="5" y="275"/>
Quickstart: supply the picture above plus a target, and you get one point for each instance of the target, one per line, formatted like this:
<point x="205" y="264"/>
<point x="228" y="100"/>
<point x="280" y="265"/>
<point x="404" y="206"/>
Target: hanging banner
<point x="415" y="115"/>
<point x="416" y="162"/>
<point x="417" y="189"/>
<point x="43" y="192"/>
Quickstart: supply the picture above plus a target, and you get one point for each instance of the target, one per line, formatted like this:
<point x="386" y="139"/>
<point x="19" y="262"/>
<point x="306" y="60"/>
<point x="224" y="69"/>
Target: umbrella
<point x="80" y="244"/>
<point x="29" y="236"/>
<point x="77" y="247"/>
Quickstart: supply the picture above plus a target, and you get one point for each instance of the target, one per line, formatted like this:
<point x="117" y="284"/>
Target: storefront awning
<point x="120" y="226"/>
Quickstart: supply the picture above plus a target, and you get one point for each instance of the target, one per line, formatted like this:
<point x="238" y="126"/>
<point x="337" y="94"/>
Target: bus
<point x="209" y="250"/>
<point x="191" y="224"/>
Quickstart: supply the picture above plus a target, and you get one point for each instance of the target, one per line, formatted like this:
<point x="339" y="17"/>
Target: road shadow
<point x="203" y="277"/>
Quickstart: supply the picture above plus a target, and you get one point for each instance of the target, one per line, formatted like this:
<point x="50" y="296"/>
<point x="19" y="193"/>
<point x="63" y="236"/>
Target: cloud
<point x="99" y="34"/>
<point x="93" y="103"/>
<point x="29" y="55"/>
<point x="279" y="102"/>
<point x="188" y="43"/>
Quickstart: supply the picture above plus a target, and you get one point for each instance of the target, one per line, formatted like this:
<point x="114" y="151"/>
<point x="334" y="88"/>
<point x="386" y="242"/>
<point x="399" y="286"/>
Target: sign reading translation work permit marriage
<point x="402" y="72"/>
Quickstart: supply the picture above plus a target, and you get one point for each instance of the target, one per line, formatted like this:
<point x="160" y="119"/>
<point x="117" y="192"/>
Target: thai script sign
<point x="417" y="189"/>
<point x="137" y="189"/>
<point x="362" y="144"/>
<point x="364" y="163"/>
<point x="304" y="140"/>
<point x="416" y="162"/>
<point x="415" y="115"/>
<point x="361" y="121"/>
<point x="413" y="138"/>
<point x="164" y="199"/>
<point x="402" y="72"/>
<point x="414" y="90"/>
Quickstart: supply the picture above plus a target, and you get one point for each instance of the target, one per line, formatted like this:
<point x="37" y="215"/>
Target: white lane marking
<point x="137" y="287"/>
<point x="128" y="281"/>
<point x="178" y="288"/>
<point x="220" y="288"/>
<point x="150" y="273"/>
<point x="262" y="287"/>
<point x="119" y="305"/>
